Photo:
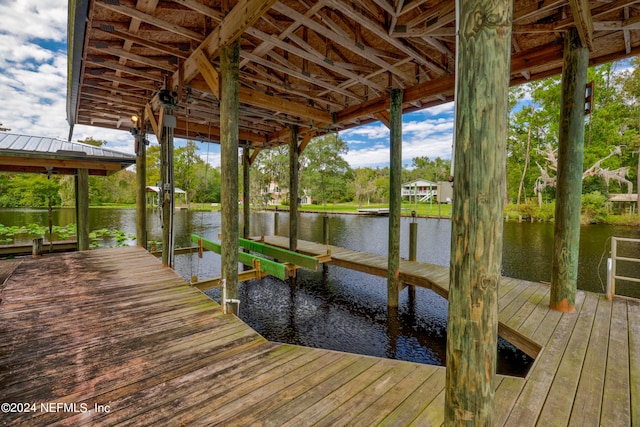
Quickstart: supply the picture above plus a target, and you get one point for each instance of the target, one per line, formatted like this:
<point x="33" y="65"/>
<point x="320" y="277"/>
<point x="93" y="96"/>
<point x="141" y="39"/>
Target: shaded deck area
<point x="113" y="328"/>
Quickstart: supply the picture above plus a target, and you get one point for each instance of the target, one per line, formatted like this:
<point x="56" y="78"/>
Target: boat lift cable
<point x="206" y="182"/>
<point x="605" y="250"/>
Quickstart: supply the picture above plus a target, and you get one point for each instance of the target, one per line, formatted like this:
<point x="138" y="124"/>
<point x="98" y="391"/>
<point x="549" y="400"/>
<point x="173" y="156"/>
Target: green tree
<point x="28" y="190"/>
<point x="185" y="172"/>
<point x="153" y="165"/>
<point x="325" y="174"/>
<point x="534" y="130"/>
<point x="207" y="183"/>
<point x="364" y="185"/>
<point x="92" y="141"/>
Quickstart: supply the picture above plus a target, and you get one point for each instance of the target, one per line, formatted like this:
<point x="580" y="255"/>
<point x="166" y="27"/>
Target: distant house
<point x="421" y="188"/>
<point x="274" y="195"/>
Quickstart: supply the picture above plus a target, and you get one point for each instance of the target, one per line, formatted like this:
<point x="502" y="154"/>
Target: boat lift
<point x="261" y="266"/>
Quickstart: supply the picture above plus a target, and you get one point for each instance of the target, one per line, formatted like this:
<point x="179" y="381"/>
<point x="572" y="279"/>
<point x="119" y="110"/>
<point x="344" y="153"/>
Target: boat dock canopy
<point x="23" y="153"/>
<point x="323" y="65"/>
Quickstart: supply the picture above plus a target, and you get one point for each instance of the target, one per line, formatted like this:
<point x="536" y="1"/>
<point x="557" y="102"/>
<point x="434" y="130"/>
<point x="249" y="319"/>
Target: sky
<point x="33" y="89"/>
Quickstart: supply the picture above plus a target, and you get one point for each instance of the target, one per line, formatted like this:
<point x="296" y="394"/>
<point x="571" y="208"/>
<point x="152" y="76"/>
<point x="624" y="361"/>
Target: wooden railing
<point x="612" y="262"/>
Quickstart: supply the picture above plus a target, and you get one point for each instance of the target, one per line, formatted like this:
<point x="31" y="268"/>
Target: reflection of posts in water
<point x="292" y="329"/>
<point x="411" y="303"/>
<point x="325" y="274"/>
<point x="325" y="230"/>
<point x="393" y="331"/>
<point x="275" y="223"/>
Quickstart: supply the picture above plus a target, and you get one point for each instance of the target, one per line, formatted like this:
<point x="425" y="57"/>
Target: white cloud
<point x="438" y="110"/>
<point x="372" y="131"/>
<point x="424" y="134"/>
<point x="378" y="155"/>
<point x="33" y="78"/>
<point x="34" y="19"/>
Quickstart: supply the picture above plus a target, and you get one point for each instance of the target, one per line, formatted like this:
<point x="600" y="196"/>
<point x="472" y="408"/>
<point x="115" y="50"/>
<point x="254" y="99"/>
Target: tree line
<point x="612" y="145"/>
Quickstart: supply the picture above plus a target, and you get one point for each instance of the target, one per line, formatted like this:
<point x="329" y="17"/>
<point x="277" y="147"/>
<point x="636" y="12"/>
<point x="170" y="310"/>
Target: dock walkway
<point x="127" y="341"/>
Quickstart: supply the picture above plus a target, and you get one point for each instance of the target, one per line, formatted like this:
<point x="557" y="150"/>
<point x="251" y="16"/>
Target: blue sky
<point x="33" y="84"/>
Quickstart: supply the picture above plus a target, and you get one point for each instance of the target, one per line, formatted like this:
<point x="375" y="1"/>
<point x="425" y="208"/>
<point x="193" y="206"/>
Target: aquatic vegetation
<point x="99" y="238"/>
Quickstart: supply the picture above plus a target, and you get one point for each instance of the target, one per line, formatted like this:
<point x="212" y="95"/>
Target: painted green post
<point x="141" y="192"/>
<point x="82" y="208"/>
<point x="293" y="188"/>
<point x="246" y="192"/>
<point x="395" y="194"/>
<point x="566" y="241"/>
<point x="229" y="70"/>
<point x="483" y="63"/>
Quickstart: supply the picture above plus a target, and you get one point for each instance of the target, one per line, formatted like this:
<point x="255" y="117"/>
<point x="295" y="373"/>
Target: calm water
<point x="346" y="310"/>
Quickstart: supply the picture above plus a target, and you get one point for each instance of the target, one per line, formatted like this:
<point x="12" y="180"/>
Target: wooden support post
<point x="482" y="106"/>
<point x="413" y="241"/>
<point x="36" y="248"/>
<point x="293" y="188"/>
<point x="395" y="198"/>
<point x="566" y="241"/>
<point x="229" y="70"/>
<point x="413" y="252"/>
<point x="246" y="192"/>
<point x="168" y="191"/>
<point x="82" y="208"/>
<point x="325" y="230"/>
<point x="141" y="192"/>
<point x="276" y="222"/>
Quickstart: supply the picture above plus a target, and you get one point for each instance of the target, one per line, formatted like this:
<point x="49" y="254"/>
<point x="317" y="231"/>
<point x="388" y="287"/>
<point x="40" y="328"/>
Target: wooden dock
<point x="130" y="342"/>
<point x="21" y="249"/>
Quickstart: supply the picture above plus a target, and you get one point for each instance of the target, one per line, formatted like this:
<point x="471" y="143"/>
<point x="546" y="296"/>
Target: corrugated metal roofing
<point x="52" y="147"/>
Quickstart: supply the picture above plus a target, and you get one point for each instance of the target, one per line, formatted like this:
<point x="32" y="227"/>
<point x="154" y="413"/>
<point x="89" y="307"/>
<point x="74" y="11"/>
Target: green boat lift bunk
<point x="261" y="266"/>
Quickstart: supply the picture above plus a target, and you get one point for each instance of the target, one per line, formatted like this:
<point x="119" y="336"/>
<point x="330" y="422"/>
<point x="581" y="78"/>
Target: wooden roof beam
<point x="121" y="80"/>
<point x="121" y="53"/>
<point x="342" y="40"/>
<point x="625" y="24"/>
<point x="597" y="13"/>
<point x="88" y="82"/>
<point x="241" y="17"/>
<point x="272" y="103"/>
<point x="127" y="36"/>
<point x="152" y="20"/>
<point x="264" y="47"/>
<point x="386" y="6"/>
<point x="581" y="12"/>
<point x="429" y="22"/>
<point x="150" y="115"/>
<point x="353" y="14"/>
<point x="202" y="9"/>
<point x="273" y="82"/>
<point x="107" y="96"/>
<point x="312" y="55"/>
<point x="112" y="65"/>
<point x="310" y="78"/>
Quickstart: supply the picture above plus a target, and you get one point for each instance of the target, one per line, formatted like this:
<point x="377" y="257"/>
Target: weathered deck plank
<point x="113" y="327"/>
<point x="616" y="404"/>
<point x="588" y="398"/>
<point x="559" y="402"/>
<point x="633" y="308"/>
